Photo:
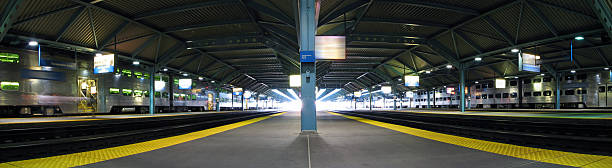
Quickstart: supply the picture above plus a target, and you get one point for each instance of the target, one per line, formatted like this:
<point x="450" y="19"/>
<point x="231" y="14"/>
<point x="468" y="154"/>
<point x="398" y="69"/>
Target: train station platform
<point x="341" y="141"/>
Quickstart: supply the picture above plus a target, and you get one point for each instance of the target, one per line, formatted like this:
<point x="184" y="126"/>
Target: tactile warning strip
<point x="89" y="157"/>
<point x="529" y="153"/>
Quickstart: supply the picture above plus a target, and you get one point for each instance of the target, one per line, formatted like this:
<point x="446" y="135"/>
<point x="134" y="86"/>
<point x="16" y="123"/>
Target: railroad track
<point x="26" y="141"/>
<point x="572" y="135"/>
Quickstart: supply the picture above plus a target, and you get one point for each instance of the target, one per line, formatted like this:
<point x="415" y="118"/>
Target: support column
<point x="152" y="91"/>
<point x="462" y="87"/>
<point x="370" y="91"/>
<point x="428" y="102"/>
<point x="217" y="103"/>
<point x="307" y="31"/>
<point x="558" y="88"/>
<point x="242" y="102"/>
<point x="171" y="92"/>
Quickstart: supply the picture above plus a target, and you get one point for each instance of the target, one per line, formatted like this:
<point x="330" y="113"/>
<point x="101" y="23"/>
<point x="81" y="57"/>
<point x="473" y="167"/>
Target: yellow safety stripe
<point x="89" y="157"/>
<point x="529" y="153"/>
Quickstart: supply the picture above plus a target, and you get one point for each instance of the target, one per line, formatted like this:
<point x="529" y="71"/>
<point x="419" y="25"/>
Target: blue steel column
<point x="462" y="87"/>
<point x="307" y="30"/>
<point x="558" y="88"/>
<point x="217" y="103"/>
<point x="152" y="91"/>
<point x="370" y="91"/>
<point x="428" y="105"/>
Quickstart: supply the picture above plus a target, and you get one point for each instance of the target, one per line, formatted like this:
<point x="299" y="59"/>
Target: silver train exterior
<point x="58" y="87"/>
<point x="581" y="90"/>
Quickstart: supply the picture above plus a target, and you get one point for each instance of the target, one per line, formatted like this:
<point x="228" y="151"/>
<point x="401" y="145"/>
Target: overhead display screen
<point x="411" y="81"/>
<point x="528" y="62"/>
<point x="237" y="91"/>
<point x="104" y="63"/>
<point x="184" y="83"/>
<point x="500" y="83"/>
<point x="330" y="47"/>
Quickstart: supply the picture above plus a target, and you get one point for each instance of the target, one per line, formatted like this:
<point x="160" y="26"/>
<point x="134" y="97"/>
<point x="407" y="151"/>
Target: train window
<point x="513" y="83"/>
<point x="583" y="92"/>
<point x="527" y="94"/>
<point x="145" y="93"/>
<point x="459" y="97"/>
<point x="126" y="72"/>
<point x="9" y="86"/>
<point x="569" y="92"/>
<point x="547" y="79"/>
<point x="537" y="80"/>
<point x="484" y="86"/>
<point x="9" y="58"/>
<point x="498" y="95"/>
<point x="165" y="95"/>
<point x="157" y="94"/>
<point x="581" y="77"/>
<point x="138" y="74"/>
<point x="477" y="86"/>
<point x="536" y="94"/>
<point x="484" y="96"/>
<point x="569" y="78"/>
<point x="114" y="91"/>
<point x="478" y="97"/>
<point x="609" y="88"/>
<point x="138" y="93"/>
<point x="514" y="95"/>
<point x="491" y="96"/>
<point x="454" y="98"/>
<point x="527" y="81"/>
<point x="194" y="97"/>
<point x="601" y="89"/>
<point x="505" y="95"/>
<point x="547" y="93"/>
<point x="126" y="92"/>
<point x="176" y="81"/>
<point x="146" y="76"/>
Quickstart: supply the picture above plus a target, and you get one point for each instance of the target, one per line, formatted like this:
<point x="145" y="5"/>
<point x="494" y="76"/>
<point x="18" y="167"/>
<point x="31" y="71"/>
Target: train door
<point x="608" y="96"/>
<point x="602" y="95"/>
<point x="88" y="92"/>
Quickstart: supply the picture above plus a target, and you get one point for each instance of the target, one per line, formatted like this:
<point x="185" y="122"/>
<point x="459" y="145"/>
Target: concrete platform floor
<point x="340" y="143"/>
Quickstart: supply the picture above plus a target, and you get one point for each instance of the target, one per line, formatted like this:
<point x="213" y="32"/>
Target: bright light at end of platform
<point x="295" y="80"/>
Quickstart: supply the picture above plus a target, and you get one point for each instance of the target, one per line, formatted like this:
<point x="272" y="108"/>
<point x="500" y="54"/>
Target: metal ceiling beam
<point x="26" y="20"/>
<point x="498" y="29"/>
<point x="9" y="14"/>
<point x="144" y="45"/>
<point x="170" y="54"/>
<point x="93" y="27"/>
<point x="111" y="36"/>
<point x="437" y="47"/>
<point x="360" y="17"/>
<point x="337" y="12"/>
<point x="435" y="5"/>
<point x="190" y="60"/>
<point x="542" y="18"/>
<point x="471" y="43"/>
<point x="564" y="9"/>
<point x="187" y="7"/>
<point x="247" y="39"/>
<point x="271" y="12"/>
<point x="406" y="22"/>
<point x="603" y="9"/>
<point x="204" y="25"/>
<point x="385" y="39"/>
<point x="71" y="21"/>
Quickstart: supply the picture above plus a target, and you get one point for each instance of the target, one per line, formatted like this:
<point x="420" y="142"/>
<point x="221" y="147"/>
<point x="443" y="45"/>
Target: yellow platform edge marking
<point x="93" y="119"/>
<point x="529" y="153"/>
<point x="89" y="157"/>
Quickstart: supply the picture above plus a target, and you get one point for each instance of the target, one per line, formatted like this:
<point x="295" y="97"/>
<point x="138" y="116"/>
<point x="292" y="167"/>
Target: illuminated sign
<point x="357" y="94"/>
<point x="160" y="85"/>
<point x="184" y="83"/>
<point x="500" y="83"/>
<point x="411" y="81"/>
<point x="386" y="89"/>
<point x="529" y="62"/>
<point x="450" y="90"/>
<point x="237" y="91"/>
<point x="104" y="63"/>
<point x="330" y="47"/>
<point x="295" y="80"/>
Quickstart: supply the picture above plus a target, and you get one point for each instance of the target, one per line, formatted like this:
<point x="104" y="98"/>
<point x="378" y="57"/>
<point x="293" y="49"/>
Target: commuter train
<point x="582" y="90"/>
<point x="57" y="83"/>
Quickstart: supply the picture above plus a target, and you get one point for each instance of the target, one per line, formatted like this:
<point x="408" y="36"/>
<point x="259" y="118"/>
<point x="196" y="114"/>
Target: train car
<point x="56" y="83"/>
<point x="581" y="90"/>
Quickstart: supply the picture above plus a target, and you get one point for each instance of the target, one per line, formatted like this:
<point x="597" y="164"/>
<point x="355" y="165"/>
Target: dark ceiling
<point x="253" y="43"/>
